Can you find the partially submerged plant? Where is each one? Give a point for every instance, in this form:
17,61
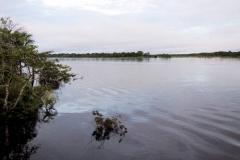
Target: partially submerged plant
48,112
107,127
49,99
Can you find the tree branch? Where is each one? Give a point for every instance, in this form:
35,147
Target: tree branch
21,92
7,94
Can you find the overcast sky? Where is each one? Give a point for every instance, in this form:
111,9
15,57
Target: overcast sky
155,26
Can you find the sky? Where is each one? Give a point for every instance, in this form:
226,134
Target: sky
155,26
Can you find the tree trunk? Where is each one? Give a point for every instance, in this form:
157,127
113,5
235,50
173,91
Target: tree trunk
5,106
33,74
21,92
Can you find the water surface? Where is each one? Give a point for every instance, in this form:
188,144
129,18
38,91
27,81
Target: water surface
178,108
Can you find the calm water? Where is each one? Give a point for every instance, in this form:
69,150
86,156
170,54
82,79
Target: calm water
179,108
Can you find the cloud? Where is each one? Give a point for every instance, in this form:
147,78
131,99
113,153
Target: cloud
172,26
101,6
126,36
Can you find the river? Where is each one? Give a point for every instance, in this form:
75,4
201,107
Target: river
175,108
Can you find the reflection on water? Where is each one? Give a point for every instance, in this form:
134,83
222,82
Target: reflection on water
47,114
22,152
178,108
21,131
107,59
105,128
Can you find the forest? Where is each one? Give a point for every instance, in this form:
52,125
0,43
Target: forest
141,54
101,55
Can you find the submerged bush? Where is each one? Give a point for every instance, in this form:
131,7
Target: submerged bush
105,128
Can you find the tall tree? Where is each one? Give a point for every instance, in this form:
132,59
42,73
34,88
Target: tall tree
20,66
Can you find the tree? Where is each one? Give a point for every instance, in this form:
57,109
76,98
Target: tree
139,53
20,66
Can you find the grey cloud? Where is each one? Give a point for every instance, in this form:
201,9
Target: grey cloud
172,26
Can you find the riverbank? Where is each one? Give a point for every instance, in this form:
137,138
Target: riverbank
140,54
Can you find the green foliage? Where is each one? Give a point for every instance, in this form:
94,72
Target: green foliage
20,99
48,99
20,67
53,74
47,111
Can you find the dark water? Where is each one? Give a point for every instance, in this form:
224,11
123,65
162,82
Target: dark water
179,108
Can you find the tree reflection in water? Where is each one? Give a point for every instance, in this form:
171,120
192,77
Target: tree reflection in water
21,129
105,128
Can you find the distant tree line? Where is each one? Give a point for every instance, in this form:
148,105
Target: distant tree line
205,54
101,55
141,54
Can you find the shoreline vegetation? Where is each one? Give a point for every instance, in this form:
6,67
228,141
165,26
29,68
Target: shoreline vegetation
141,54
27,83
